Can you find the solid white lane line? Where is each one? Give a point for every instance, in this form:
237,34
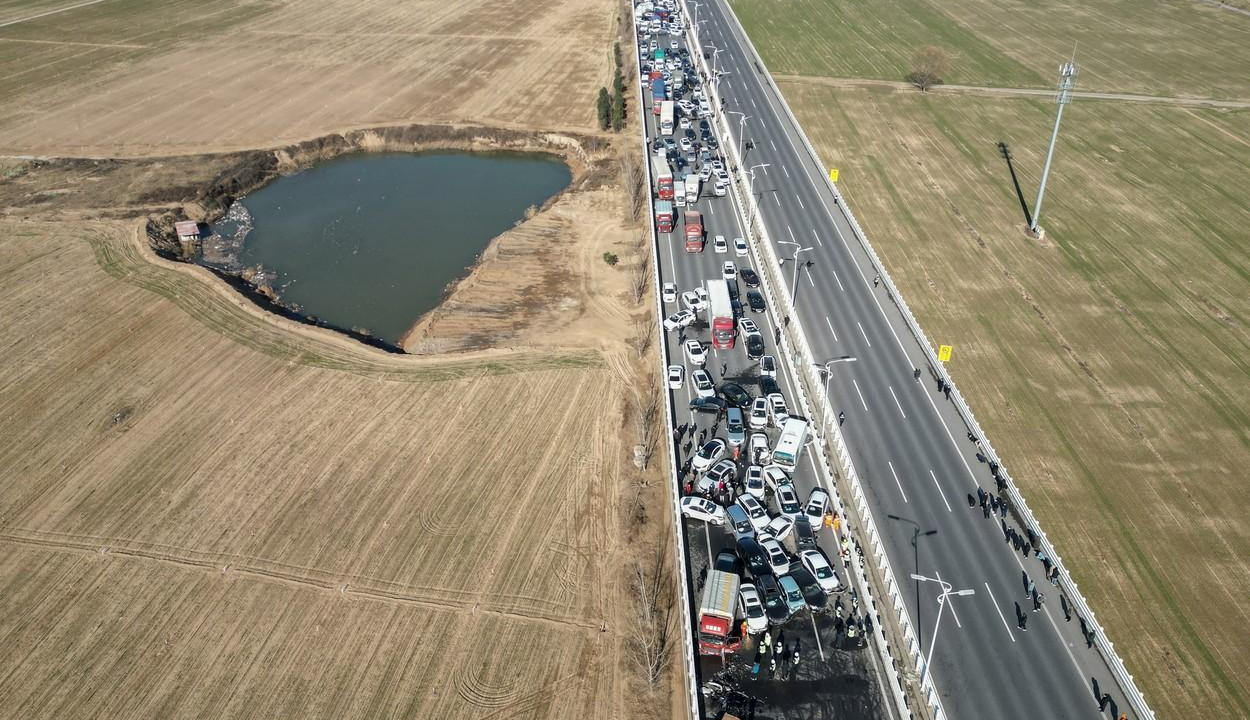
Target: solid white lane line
994,600
818,242
860,394
896,402
861,332
896,482
831,332
796,197
939,489
958,624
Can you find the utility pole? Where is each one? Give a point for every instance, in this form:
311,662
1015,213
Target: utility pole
1067,80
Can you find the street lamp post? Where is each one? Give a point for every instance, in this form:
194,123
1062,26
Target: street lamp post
742,130
946,592
794,282
828,376
715,52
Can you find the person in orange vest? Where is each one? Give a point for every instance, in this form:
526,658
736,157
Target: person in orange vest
837,523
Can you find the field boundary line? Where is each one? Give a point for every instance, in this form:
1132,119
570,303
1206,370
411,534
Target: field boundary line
1105,648
287,574
693,696
46,13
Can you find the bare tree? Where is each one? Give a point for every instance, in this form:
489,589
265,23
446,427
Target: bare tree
642,335
639,280
633,179
645,415
653,633
928,66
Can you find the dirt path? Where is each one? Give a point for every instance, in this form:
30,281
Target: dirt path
1027,92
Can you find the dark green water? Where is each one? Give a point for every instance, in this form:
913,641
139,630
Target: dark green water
370,241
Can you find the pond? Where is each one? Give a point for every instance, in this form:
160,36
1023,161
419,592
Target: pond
371,241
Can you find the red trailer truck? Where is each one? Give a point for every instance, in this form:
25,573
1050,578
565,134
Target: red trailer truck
663,178
664,215
720,314
717,634
694,231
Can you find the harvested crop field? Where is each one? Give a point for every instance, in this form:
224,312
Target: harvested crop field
138,77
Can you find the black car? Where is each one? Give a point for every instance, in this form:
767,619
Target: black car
749,277
709,405
737,309
755,300
736,394
704,126
753,555
768,386
813,593
755,346
774,602
804,536
713,143
727,561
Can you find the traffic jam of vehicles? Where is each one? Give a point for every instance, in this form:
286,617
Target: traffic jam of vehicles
764,543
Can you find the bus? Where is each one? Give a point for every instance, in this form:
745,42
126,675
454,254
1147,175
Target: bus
790,444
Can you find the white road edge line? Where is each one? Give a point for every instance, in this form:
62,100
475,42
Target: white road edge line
997,609
896,482
939,489
896,402
860,394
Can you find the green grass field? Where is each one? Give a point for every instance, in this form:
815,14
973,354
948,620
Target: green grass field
1161,47
1109,362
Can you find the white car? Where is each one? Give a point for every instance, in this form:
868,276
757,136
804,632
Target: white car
676,376
705,173
687,107
672,45
777,404
788,501
720,189
775,476
711,451
669,292
693,301
703,385
747,326
695,353
740,247
752,609
768,366
760,451
723,471
755,481
686,145
718,166
729,271
817,507
778,560
759,414
780,527
719,245
703,509
680,319
757,513
684,123
817,565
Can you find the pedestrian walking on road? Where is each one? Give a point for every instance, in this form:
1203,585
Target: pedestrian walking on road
1038,599
777,336
876,281
1006,530
917,374
841,418
786,321
1024,580
1054,576
947,390
724,368
1021,618
1067,612
794,658
1002,505
985,510
981,496
1032,537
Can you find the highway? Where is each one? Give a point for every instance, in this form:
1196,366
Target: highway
907,443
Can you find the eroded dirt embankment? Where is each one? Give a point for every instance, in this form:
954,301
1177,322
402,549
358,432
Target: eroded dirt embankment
520,276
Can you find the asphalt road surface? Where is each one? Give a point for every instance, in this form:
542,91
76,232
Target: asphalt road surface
836,677
913,455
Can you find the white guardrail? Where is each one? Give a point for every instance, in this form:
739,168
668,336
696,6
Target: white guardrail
687,622
1104,645
803,360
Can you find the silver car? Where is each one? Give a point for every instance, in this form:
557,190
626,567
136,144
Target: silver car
735,429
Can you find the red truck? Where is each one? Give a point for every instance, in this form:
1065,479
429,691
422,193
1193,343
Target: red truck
664,215
663,178
717,634
721,314
694,231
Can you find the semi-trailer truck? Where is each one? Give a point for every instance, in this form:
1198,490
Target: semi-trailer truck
692,189
716,614
663,177
721,314
666,117
694,231
664,215
658,95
